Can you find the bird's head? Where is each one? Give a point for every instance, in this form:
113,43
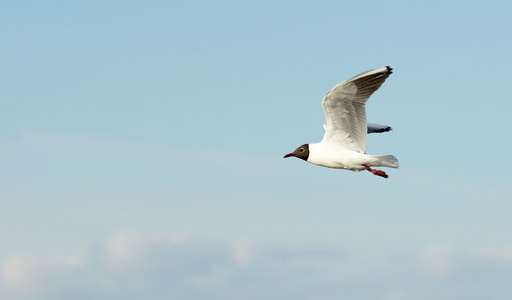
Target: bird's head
301,152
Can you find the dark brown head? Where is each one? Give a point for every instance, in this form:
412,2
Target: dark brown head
302,152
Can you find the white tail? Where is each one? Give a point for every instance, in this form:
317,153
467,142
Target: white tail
384,161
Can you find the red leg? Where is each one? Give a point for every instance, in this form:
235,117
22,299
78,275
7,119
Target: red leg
376,172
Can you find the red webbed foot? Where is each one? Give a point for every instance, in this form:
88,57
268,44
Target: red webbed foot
376,172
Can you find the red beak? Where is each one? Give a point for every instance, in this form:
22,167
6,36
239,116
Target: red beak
288,155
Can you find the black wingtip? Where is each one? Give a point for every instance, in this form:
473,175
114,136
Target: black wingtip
386,129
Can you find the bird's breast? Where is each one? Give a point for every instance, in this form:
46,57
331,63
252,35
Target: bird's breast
335,157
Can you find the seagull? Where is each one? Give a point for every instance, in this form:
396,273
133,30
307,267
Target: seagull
344,142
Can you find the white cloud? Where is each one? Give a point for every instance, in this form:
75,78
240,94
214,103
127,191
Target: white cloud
16,269
29,276
438,260
135,264
243,252
443,261
124,250
395,295
501,255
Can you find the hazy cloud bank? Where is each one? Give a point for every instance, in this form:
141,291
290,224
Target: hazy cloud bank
136,265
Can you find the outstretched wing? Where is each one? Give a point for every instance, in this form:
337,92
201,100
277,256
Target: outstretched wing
373,128
344,108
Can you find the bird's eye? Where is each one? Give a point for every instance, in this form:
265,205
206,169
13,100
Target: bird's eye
301,149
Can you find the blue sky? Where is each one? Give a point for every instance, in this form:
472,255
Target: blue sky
142,142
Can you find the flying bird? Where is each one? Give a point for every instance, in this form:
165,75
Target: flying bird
344,142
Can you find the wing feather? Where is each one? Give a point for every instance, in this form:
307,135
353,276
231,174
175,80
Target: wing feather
345,112
376,128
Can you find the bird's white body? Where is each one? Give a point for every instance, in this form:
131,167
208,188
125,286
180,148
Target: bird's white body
332,156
